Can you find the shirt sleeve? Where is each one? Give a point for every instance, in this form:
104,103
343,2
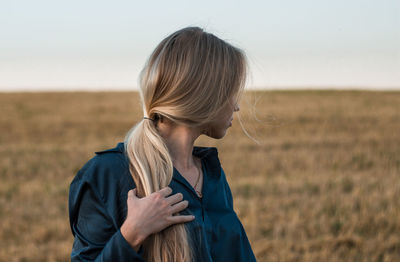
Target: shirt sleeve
239,242
228,192
96,237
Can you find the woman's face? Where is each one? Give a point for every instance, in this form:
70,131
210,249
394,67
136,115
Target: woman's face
217,128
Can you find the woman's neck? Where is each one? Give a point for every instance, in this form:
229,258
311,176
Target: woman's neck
180,141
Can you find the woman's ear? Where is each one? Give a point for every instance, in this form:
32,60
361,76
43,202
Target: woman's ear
158,117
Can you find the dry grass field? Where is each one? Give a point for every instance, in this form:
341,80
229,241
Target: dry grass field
323,184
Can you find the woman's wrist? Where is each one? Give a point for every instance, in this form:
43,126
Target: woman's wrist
132,236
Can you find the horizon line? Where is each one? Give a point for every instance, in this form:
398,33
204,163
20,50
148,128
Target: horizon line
67,89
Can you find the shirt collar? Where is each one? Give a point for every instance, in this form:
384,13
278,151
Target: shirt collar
209,155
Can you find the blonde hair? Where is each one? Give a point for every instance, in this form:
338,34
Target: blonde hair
189,76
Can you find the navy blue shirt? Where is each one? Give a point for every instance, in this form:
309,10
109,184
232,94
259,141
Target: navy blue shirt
98,208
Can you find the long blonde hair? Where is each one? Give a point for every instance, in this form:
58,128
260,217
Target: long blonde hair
189,76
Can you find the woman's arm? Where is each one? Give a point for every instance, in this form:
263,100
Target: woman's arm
96,237
152,214
98,234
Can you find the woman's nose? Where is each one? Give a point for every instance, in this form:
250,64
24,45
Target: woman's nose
237,108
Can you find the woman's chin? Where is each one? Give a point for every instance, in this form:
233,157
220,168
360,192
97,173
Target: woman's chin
218,135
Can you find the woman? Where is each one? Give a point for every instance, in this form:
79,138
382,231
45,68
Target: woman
157,197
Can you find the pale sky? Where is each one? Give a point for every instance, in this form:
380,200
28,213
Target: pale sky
86,44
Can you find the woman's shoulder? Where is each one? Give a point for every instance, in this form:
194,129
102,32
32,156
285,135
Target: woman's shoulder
101,187
109,159
108,169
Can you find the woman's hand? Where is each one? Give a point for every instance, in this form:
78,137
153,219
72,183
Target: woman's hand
151,214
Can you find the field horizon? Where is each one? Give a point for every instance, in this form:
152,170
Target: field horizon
91,89
321,184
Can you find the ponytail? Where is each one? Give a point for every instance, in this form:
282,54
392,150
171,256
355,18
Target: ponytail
151,168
